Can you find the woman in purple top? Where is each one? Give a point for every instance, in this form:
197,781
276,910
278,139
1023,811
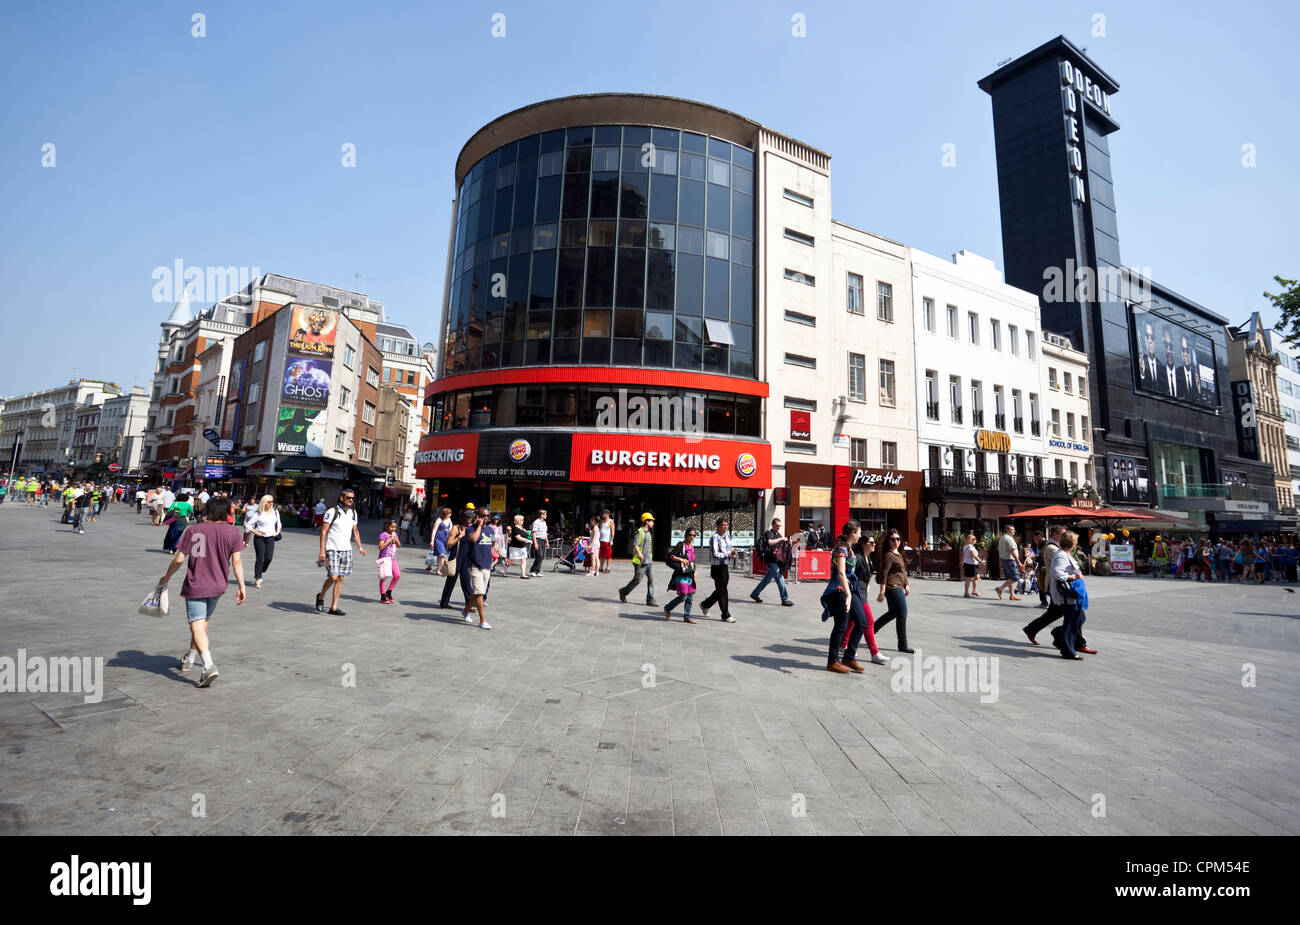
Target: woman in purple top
212,549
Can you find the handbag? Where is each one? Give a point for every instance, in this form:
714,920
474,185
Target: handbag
430,558
448,569
385,566
156,604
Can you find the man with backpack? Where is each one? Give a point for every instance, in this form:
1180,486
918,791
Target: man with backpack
339,530
775,551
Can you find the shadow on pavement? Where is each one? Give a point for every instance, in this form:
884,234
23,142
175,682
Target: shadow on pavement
164,665
796,650
657,615
435,618
292,607
999,646
783,665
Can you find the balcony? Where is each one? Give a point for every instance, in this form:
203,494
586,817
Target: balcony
954,485
956,414
977,417
1019,424
1000,421
932,410
1231,499
1036,427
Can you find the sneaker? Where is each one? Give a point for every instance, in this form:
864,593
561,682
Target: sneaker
728,619
335,612
485,625
470,618
652,603
756,599
622,596
209,675
320,605
879,659
186,663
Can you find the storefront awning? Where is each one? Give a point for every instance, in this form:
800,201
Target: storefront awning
297,465
254,462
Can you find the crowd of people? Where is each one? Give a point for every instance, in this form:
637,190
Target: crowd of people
1256,558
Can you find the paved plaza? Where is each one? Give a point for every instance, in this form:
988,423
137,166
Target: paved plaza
578,715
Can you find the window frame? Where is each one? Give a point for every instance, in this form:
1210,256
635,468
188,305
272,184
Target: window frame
849,290
860,394
889,376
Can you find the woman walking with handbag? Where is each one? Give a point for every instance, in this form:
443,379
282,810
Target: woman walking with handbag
893,585
447,561
681,559
263,525
1064,571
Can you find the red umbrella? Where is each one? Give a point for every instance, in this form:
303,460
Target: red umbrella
1054,511
1110,513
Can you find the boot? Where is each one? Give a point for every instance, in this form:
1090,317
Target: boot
852,664
902,636
837,668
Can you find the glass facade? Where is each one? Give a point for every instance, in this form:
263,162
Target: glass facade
605,245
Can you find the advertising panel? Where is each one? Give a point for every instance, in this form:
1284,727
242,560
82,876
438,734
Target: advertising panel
306,382
447,456
1172,361
311,332
531,455
1121,559
300,431
1128,480
671,461
814,564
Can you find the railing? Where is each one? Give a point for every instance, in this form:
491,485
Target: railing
932,410
956,414
977,417
1035,427
1194,491
995,483
1000,421
1019,425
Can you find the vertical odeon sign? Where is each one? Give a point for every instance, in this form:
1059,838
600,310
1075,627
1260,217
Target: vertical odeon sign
1076,85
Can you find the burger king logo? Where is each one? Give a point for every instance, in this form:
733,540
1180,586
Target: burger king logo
746,464
520,450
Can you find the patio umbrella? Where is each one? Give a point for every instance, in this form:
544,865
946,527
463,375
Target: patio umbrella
1111,513
1053,511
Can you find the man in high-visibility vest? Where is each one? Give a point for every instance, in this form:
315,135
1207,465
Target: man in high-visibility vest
1159,557
69,497
642,559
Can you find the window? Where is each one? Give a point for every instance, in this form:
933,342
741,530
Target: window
1029,344
799,198
995,329
1074,471
794,448
254,392
349,356
364,453
1056,423
931,395
368,413
1051,378
345,398
372,376
339,437
800,318
1060,469
888,455
855,295
1069,424
977,402
1033,414
250,434
175,385
887,393
386,345
794,359
1084,432
858,452
1069,384
884,301
259,352
1083,387
927,314
170,415
974,321
952,322
857,377
1017,412
410,377
1013,335
801,404
799,277
954,397
999,408
799,237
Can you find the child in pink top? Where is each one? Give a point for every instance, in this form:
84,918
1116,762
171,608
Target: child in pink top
389,573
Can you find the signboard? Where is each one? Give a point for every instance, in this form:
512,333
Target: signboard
1245,507
1173,362
226,446
1084,504
113,467
212,436
781,496
498,504
218,467
1128,482
1243,403
447,456
1058,444
300,431
523,455
169,474
1121,559
814,564
306,382
800,425
994,441
311,332
870,478
221,401
670,461
843,441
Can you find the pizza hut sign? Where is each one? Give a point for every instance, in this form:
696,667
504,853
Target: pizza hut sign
867,478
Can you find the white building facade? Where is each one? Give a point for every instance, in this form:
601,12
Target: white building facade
1064,386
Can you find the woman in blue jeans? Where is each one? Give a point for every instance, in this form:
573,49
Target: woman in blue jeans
1063,573
893,586
838,601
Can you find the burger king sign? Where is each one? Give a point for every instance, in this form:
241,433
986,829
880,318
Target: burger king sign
520,450
746,465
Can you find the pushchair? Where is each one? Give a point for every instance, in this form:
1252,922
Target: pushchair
570,560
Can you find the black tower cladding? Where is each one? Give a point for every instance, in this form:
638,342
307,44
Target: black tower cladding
1159,362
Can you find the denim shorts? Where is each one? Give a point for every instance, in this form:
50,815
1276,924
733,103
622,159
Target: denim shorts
200,608
1010,570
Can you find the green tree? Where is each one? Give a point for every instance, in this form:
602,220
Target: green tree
1288,303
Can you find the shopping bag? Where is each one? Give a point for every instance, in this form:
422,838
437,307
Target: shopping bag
430,559
385,566
155,605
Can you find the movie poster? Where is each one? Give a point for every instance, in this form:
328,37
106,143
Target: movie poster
300,432
1128,481
311,332
1172,361
306,382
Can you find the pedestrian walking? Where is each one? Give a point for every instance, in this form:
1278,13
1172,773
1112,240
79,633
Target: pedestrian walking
451,561
386,562
970,567
1009,554
642,559
339,530
774,551
721,552
517,548
540,543
318,516
593,546
178,515
408,520
681,559
837,602
81,504
894,586
1064,571
481,538
606,541
264,527
438,542
500,551
210,551
860,616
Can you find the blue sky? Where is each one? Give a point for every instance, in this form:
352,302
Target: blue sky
225,150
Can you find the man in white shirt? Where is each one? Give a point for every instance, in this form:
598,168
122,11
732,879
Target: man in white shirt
139,499
720,552
606,541
540,544
203,499
337,534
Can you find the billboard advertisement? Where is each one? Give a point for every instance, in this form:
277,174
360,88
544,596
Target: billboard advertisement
306,382
1172,361
300,431
311,332
1128,480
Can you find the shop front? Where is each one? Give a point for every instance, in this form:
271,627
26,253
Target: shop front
684,481
879,499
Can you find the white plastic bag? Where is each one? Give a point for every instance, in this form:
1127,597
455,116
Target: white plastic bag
155,605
